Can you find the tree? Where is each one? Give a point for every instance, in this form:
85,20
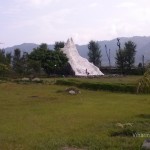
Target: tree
8,57
120,60
3,69
94,53
51,61
17,62
130,51
58,45
5,58
34,67
108,56
2,56
5,61
24,63
54,61
125,58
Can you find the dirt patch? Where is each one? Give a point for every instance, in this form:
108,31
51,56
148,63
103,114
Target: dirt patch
34,96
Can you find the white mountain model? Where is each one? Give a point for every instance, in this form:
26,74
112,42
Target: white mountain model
81,66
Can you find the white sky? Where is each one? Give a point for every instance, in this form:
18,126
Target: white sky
38,21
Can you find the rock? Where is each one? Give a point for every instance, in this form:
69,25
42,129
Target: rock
146,145
72,91
36,79
25,79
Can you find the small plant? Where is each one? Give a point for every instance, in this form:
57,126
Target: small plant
125,129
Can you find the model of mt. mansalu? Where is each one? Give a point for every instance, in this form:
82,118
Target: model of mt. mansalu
81,66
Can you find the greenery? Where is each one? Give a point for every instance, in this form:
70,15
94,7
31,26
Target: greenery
58,45
38,117
100,85
4,69
144,83
5,58
130,51
94,53
5,61
40,61
125,58
51,61
19,62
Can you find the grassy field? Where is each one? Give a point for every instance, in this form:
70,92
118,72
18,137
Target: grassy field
42,117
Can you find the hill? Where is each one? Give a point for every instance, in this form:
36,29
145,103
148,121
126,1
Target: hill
142,42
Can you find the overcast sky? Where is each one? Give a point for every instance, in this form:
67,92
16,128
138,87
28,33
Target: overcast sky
38,21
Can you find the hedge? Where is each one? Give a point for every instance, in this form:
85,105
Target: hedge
113,87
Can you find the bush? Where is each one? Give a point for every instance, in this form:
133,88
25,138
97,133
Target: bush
144,83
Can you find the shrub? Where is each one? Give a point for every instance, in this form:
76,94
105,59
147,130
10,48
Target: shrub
144,83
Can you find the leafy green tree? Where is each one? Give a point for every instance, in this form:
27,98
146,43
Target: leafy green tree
5,58
58,45
120,60
2,56
8,57
24,63
125,58
34,67
54,61
17,61
38,54
94,53
50,61
5,61
4,69
130,51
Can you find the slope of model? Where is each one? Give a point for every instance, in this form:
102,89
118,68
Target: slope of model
81,66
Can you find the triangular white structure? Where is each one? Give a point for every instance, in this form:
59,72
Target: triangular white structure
81,66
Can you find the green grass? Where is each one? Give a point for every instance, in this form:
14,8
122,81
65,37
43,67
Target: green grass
40,117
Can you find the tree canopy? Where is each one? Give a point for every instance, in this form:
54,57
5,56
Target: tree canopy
125,58
58,45
94,53
51,61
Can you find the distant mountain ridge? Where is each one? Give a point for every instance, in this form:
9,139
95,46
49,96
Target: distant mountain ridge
142,42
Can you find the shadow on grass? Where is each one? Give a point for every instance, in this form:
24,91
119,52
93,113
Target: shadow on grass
123,133
144,116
